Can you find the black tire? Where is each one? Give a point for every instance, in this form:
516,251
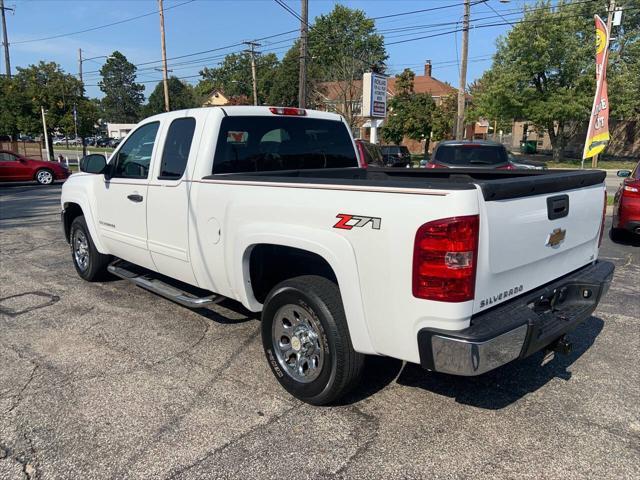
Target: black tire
616,234
96,263
319,299
44,176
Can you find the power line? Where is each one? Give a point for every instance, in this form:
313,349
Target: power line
289,9
98,27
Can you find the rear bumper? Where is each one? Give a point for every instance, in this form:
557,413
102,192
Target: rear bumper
517,328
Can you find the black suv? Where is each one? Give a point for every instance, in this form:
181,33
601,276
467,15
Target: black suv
396,155
470,154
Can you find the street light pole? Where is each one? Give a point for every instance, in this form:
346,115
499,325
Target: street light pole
46,135
463,71
165,79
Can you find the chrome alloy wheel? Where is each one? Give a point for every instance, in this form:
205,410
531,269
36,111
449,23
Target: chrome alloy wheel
297,344
80,249
44,177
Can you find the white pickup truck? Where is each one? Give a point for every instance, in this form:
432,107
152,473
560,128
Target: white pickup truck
458,270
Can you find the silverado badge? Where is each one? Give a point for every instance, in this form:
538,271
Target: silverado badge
556,237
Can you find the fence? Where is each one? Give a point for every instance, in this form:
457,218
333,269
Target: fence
26,149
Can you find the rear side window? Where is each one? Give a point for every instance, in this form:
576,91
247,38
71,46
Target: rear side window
176,148
259,144
470,154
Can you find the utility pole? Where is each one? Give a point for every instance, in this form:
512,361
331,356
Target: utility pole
46,135
463,70
611,10
302,80
80,67
252,52
165,79
5,41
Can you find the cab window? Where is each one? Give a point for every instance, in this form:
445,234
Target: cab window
176,148
134,157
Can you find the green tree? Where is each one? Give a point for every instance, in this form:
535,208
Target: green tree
410,113
46,85
181,96
122,95
444,117
543,71
342,46
234,78
13,104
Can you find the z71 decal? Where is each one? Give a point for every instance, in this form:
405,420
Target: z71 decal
347,222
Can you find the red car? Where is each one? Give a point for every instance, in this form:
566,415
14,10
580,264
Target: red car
16,168
626,203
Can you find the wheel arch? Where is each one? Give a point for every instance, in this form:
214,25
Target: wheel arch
72,208
329,255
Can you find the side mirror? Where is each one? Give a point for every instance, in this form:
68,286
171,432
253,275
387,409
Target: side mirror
94,163
624,173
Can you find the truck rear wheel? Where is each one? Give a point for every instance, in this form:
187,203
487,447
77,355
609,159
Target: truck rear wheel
306,340
90,264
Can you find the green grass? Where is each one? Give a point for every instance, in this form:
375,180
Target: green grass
609,200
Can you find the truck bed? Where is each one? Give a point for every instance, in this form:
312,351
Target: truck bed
495,184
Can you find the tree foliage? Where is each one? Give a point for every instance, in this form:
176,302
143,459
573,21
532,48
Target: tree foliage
122,95
342,46
444,117
181,96
410,113
543,71
234,78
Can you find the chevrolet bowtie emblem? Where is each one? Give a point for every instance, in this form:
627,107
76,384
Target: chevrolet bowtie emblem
556,237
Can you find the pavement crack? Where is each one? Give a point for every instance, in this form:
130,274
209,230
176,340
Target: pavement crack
226,445
188,349
18,396
370,422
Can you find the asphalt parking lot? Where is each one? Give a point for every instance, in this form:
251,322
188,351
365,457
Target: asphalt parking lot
109,381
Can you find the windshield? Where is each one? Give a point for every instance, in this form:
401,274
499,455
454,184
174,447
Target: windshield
258,144
470,154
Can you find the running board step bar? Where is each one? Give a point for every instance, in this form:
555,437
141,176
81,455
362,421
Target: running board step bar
149,281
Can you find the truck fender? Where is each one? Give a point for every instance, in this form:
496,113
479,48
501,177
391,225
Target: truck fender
334,249
82,201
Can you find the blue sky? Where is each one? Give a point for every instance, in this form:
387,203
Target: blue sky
209,24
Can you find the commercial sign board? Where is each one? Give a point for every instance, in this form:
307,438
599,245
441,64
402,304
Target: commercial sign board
374,95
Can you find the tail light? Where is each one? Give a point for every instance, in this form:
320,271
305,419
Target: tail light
632,189
361,158
296,112
435,165
604,213
508,166
444,259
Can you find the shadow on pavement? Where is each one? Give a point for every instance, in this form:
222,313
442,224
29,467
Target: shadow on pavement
492,391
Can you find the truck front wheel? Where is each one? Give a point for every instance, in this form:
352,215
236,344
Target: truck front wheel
89,262
306,340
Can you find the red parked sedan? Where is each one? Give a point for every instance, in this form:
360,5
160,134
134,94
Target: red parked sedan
626,203
16,168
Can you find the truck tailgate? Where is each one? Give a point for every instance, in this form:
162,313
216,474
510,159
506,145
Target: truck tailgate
528,241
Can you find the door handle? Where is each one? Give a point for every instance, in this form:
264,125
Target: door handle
135,197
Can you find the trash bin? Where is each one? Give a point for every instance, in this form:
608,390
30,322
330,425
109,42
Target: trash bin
528,146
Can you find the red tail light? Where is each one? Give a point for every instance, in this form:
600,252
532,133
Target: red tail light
508,166
632,189
361,158
444,259
604,213
297,112
436,165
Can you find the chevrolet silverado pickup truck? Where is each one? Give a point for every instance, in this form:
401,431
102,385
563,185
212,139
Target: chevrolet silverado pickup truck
459,270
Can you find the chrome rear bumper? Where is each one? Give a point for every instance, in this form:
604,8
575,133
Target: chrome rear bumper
517,328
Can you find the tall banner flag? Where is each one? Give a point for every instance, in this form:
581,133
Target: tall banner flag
598,132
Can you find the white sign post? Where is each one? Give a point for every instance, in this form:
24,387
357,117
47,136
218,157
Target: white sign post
374,101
